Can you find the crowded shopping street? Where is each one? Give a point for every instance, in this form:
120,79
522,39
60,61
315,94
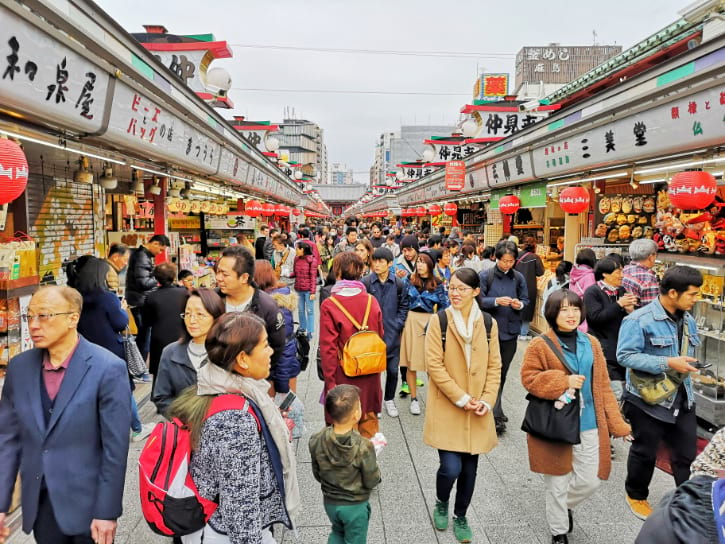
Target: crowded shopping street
362,272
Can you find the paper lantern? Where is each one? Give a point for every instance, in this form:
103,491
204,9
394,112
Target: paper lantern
693,190
420,212
267,209
435,209
405,212
296,212
574,200
13,171
509,204
451,208
253,208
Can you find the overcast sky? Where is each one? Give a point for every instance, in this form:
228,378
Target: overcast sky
493,31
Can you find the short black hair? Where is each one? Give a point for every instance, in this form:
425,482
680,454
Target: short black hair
434,240
383,253
616,257
305,247
161,239
506,247
117,249
468,276
303,233
165,273
586,257
607,265
340,402
488,251
680,278
243,260
556,299
350,230
185,273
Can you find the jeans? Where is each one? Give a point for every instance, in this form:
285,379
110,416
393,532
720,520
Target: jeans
680,437
143,338
454,466
391,374
46,529
306,311
525,328
508,350
349,522
136,425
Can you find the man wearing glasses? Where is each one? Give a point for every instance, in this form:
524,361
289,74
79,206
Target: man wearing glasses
65,412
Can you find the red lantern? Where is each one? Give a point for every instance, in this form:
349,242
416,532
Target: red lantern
451,208
574,200
267,209
420,212
253,208
405,213
13,171
509,204
693,190
435,209
296,212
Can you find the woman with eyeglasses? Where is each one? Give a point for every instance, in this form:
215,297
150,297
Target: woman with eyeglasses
464,367
181,360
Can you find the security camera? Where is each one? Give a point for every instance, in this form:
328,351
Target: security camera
530,105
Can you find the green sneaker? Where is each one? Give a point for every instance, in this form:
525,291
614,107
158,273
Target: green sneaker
462,530
404,390
440,515
419,382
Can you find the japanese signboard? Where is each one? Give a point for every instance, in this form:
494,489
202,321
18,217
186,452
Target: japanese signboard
231,221
455,175
504,123
232,167
694,120
509,170
532,195
494,85
41,76
457,152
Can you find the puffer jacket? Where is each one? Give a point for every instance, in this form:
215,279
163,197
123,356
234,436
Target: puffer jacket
288,366
305,273
140,279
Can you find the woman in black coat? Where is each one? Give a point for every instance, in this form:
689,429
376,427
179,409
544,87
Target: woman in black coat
531,267
607,304
162,312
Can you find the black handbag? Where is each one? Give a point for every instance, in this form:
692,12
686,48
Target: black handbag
542,420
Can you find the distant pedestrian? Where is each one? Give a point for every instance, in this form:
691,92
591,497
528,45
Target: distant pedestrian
261,241
305,276
639,279
118,256
348,243
344,462
186,279
531,267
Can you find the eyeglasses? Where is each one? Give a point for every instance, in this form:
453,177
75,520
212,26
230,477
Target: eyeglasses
461,290
29,318
198,317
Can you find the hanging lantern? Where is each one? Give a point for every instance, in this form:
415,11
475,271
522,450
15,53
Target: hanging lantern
451,208
253,208
420,212
435,209
267,209
296,212
574,200
205,207
509,204
694,190
13,171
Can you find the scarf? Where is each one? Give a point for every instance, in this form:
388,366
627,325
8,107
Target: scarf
213,380
466,329
608,289
348,288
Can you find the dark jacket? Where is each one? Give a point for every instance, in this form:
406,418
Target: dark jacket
265,307
102,321
392,296
259,247
345,465
162,312
604,317
305,270
683,516
511,284
140,279
288,366
175,374
530,266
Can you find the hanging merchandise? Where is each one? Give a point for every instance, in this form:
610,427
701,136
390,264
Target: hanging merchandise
450,208
13,171
693,190
574,200
509,204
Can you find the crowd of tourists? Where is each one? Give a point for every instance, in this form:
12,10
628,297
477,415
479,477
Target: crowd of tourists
395,304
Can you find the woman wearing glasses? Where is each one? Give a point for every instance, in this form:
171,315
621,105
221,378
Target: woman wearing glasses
464,367
181,360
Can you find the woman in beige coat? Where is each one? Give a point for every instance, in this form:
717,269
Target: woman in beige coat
464,377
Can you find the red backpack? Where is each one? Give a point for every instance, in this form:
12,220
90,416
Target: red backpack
170,501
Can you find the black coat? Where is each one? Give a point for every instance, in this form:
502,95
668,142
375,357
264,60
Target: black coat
259,247
140,279
530,266
102,321
162,313
175,374
604,317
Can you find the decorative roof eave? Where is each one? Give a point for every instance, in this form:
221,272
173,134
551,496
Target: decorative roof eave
219,50
468,108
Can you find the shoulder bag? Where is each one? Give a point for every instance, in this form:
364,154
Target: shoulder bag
135,363
544,421
657,388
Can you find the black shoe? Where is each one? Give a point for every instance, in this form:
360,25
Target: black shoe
559,539
571,521
505,419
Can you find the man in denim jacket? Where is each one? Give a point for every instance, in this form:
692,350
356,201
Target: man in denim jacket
652,340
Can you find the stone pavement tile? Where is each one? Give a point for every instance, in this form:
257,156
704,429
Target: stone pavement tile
604,533
520,533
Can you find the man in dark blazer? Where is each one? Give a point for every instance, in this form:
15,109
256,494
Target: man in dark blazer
65,412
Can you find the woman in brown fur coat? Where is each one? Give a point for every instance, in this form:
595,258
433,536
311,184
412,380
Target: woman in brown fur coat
571,473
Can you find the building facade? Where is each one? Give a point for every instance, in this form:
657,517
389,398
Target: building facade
303,142
340,174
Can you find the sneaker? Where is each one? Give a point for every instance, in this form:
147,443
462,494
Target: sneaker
419,382
440,515
639,508
612,453
559,539
391,408
524,337
415,407
462,530
144,433
404,390
146,378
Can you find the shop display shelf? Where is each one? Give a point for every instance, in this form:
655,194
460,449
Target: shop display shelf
709,409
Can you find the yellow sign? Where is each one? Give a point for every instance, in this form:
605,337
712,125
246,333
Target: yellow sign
185,223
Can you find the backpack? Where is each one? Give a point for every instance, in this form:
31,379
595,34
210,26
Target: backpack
443,318
170,501
364,352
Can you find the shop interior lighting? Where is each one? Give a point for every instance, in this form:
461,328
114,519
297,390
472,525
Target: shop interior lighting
680,165
159,173
652,181
58,146
699,266
594,178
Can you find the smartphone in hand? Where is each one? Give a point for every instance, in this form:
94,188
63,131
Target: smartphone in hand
287,402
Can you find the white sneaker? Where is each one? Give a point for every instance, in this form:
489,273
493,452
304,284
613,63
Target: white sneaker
391,408
524,338
143,434
415,407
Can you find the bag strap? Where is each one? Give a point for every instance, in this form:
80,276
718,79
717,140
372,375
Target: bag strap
222,403
488,323
354,321
443,318
557,352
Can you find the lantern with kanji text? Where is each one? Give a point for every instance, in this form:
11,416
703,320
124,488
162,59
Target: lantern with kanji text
13,171
509,204
253,208
296,212
574,200
267,209
451,208
435,209
693,190
420,212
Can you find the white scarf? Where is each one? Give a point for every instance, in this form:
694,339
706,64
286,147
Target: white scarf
213,380
466,330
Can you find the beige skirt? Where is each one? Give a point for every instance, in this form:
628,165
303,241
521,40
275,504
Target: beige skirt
412,342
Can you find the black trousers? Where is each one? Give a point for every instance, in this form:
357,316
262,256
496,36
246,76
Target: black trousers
680,437
46,530
456,467
143,338
508,350
391,374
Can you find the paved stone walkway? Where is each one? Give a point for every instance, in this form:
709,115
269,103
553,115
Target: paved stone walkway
508,504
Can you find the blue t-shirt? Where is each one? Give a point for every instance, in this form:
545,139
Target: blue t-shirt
582,363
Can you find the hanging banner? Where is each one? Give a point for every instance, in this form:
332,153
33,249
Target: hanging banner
531,196
455,175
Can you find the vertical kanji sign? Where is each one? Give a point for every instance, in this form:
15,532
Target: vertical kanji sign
455,175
